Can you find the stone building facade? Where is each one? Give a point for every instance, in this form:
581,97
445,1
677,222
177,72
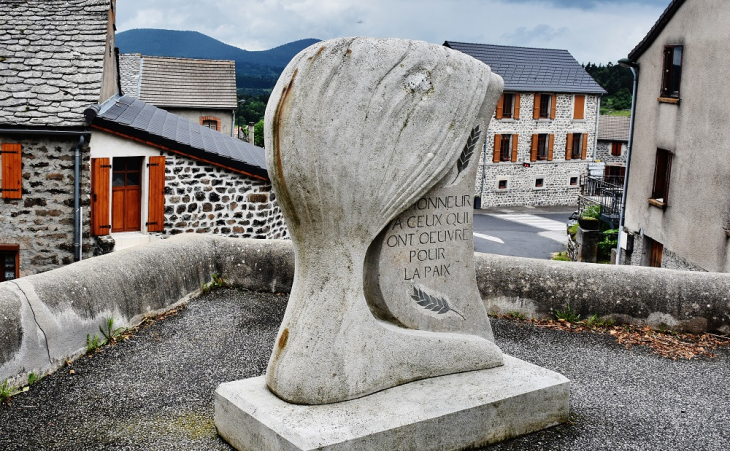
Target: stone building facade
528,181
543,134
612,146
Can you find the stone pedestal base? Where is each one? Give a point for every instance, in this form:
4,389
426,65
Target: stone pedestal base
443,413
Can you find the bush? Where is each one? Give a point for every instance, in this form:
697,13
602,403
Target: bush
609,241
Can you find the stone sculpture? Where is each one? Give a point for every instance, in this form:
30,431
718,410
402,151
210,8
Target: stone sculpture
360,132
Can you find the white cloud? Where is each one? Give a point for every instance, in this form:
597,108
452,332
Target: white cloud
596,31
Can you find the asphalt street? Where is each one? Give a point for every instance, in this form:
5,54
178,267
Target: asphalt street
155,391
532,232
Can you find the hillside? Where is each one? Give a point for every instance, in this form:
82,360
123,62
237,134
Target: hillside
255,70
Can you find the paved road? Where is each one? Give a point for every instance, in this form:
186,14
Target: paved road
155,391
534,232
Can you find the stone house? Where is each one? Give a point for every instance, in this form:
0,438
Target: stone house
543,133
202,91
677,204
155,174
613,139
56,58
57,61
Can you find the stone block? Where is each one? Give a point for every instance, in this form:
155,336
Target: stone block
458,411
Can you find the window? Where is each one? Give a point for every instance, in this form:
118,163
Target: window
505,148
542,147
502,184
211,122
573,181
544,107
662,170
614,174
9,262
579,107
616,148
11,174
672,71
539,182
126,194
576,146
508,106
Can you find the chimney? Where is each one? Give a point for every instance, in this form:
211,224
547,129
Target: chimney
250,132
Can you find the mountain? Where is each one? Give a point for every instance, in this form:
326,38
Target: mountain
256,70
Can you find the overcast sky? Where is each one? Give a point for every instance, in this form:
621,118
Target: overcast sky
596,31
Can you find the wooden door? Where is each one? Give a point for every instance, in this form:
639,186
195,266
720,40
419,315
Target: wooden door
126,194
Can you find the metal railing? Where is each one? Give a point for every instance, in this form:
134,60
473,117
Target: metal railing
606,192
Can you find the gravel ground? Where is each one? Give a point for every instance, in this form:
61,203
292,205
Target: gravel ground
155,391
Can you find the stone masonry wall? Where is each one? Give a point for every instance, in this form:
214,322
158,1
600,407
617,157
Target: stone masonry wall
670,260
41,223
556,174
203,198
603,153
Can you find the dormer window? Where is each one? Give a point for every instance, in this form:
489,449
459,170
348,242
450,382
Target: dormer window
508,106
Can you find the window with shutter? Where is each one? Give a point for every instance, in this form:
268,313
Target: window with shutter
616,148
156,204
127,194
100,174
579,107
12,174
505,150
662,171
515,139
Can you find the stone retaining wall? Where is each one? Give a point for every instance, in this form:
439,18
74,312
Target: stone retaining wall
44,319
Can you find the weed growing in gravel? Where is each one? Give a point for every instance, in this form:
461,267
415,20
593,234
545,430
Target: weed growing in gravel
514,314
7,391
92,344
217,282
595,321
33,379
567,315
561,257
111,335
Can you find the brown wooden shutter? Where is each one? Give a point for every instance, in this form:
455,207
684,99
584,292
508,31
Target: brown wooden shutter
579,107
12,170
500,108
156,204
497,148
551,145
536,107
568,146
533,151
584,150
553,105
100,171
514,148
516,115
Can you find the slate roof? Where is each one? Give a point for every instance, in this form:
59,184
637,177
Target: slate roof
526,69
614,128
140,120
180,82
656,29
51,60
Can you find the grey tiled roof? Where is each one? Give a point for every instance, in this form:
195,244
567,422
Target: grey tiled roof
51,60
527,69
180,82
135,118
613,128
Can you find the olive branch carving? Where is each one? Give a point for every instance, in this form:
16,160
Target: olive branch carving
468,151
433,303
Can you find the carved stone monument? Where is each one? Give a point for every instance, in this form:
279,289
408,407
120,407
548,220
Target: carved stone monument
372,147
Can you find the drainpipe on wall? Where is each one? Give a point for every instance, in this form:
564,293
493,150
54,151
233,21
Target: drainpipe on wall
233,125
625,62
77,197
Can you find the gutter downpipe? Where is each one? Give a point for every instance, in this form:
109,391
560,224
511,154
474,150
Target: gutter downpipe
77,171
77,196
625,62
